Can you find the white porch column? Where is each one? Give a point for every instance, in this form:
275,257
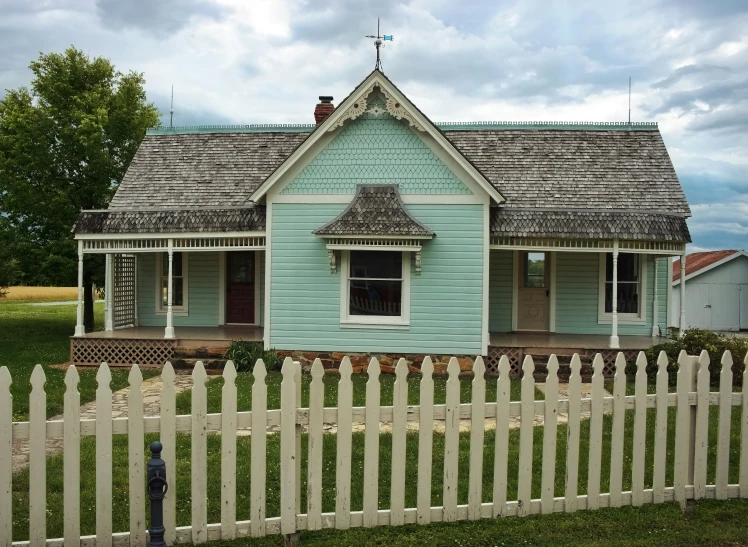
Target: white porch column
169,332
614,343
682,323
655,304
79,328
108,290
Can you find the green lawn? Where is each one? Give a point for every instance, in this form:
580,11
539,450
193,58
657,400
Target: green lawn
273,380
41,334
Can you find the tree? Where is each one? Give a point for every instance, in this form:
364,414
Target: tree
65,144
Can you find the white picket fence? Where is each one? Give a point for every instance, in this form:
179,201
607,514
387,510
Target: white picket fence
692,401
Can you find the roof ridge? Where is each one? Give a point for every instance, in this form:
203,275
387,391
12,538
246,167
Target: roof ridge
445,126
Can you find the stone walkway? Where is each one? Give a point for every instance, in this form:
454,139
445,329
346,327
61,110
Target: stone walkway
182,382
151,407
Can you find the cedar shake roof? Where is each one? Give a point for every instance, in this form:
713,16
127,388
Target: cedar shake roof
183,171
507,221
375,210
171,221
698,261
568,169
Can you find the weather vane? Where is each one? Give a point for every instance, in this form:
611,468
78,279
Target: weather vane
379,42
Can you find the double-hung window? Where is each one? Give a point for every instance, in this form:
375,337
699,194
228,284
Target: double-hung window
178,278
375,287
630,287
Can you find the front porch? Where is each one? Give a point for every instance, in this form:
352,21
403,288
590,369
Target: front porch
147,345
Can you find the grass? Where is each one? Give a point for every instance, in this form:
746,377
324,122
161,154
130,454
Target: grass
42,293
41,334
633,525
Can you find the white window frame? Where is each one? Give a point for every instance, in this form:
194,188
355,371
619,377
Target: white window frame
639,318
176,310
367,321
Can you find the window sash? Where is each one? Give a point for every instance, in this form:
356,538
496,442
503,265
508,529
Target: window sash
625,307
178,281
360,306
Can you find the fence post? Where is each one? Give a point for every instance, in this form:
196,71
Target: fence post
157,487
691,502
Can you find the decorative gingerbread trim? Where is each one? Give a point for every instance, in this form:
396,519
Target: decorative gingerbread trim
393,107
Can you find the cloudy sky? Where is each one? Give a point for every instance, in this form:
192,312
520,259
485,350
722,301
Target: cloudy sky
254,61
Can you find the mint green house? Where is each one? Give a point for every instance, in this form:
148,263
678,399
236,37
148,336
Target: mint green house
376,231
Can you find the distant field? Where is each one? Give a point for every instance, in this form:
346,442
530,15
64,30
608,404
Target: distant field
42,293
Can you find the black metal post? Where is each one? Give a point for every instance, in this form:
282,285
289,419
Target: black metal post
157,488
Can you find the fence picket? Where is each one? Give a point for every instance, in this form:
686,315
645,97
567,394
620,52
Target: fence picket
477,435
104,457
228,452
199,454
572,435
37,459
399,424
6,459
343,456
425,441
640,430
288,448
314,477
135,443
616,442
660,441
548,479
744,434
501,453
168,439
596,434
258,450
371,446
723,435
702,427
527,422
451,441
682,427
71,458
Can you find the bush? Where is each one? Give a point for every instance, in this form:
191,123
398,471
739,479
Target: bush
693,342
245,354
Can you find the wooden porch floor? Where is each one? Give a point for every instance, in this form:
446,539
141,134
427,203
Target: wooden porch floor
568,341
186,336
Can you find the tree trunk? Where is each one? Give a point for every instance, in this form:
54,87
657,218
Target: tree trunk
88,305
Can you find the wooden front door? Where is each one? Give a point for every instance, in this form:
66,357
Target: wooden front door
240,287
533,291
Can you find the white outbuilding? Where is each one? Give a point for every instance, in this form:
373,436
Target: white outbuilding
717,287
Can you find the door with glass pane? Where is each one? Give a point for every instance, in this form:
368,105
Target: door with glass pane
533,291
240,287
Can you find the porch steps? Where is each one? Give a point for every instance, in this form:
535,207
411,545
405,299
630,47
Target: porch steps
186,357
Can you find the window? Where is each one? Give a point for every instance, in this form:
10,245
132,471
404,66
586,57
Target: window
179,281
375,287
630,286
534,270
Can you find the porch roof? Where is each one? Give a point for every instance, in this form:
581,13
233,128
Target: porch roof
588,224
244,219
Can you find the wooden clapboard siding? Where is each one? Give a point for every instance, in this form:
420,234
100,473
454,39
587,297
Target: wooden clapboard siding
446,299
202,287
577,296
500,282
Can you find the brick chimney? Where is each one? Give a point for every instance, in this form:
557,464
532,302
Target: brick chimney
323,109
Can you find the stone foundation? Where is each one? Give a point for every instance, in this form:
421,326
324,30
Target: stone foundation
387,361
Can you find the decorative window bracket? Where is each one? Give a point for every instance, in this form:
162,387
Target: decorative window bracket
333,264
417,255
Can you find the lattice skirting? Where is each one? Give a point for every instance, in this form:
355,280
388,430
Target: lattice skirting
118,351
516,355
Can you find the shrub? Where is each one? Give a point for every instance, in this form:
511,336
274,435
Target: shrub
245,354
693,342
